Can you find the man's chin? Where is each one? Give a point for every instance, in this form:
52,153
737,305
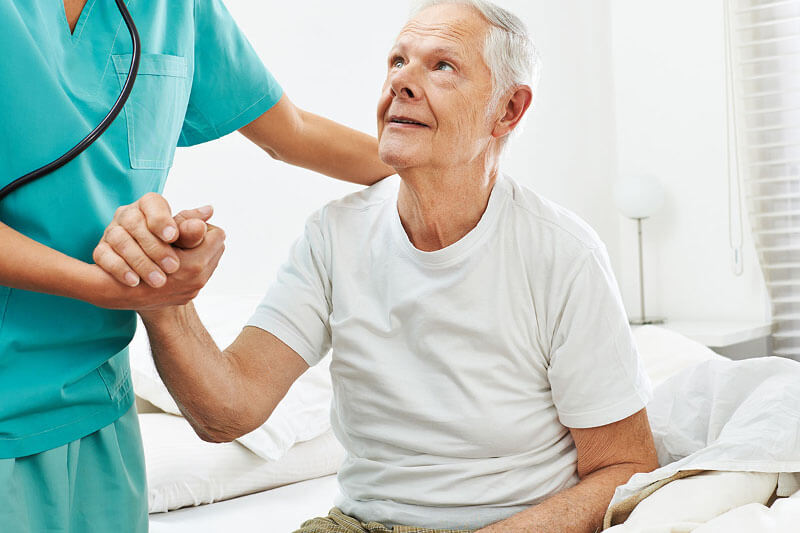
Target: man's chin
398,159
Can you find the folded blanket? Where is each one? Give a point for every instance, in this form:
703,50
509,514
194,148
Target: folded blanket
734,416
689,499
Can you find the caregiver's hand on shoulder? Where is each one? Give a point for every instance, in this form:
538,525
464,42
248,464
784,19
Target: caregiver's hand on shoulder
139,243
196,266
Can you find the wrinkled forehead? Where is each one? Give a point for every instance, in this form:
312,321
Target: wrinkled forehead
452,25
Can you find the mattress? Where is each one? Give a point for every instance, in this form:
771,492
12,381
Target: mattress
280,510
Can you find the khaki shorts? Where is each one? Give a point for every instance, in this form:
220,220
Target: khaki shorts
338,522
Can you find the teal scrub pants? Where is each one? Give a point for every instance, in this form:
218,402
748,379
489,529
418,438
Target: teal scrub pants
94,484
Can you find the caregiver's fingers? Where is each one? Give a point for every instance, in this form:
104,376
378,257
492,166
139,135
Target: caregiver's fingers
143,220
158,216
107,259
129,250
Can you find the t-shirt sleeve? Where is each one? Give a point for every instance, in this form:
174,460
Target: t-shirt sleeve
596,375
231,87
297,308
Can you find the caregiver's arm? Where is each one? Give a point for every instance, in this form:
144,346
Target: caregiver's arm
136,249
28,265
223,394
297,137
607,457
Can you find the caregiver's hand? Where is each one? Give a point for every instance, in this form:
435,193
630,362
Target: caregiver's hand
197,265
139,243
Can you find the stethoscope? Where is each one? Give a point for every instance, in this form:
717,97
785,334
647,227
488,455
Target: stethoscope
104,124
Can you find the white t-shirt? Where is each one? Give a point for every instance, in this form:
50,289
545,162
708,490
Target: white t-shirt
457,372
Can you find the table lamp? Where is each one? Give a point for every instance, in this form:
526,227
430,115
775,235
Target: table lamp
639,197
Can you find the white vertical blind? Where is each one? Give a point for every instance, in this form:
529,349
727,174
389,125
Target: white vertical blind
764,46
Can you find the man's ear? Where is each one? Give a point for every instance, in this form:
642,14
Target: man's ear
516,106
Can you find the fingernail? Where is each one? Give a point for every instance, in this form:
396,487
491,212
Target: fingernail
131,279
169,265
206,210
156,279
169,233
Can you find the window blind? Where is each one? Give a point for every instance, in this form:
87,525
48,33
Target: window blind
764,71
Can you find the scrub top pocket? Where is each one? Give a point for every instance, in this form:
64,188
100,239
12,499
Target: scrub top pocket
116,377
156,108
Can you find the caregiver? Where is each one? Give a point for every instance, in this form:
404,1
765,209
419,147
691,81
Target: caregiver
70,450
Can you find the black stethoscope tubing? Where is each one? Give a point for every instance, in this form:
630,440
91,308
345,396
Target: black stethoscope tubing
104,124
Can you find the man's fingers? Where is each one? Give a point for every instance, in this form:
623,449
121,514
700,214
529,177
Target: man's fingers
108,260
158,216
193,232
131,253
203,213
215,235
216,258
213,243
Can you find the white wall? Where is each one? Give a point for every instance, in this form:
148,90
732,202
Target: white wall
627,86
567,152
670,122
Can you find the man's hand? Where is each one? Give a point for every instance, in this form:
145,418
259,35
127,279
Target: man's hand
141,240
196,266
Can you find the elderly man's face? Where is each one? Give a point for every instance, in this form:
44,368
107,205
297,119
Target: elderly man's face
433,108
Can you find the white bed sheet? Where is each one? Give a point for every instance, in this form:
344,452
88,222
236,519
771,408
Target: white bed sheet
279,510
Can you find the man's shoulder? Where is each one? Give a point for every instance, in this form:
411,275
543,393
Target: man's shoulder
370,197
546,217
358,206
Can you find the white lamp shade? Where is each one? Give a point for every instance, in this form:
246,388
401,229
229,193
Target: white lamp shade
638,196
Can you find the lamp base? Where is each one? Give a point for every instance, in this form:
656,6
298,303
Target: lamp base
646,321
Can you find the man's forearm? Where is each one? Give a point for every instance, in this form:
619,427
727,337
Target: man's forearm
202,379
579,509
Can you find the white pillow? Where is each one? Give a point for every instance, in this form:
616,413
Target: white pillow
665,352
302,415
183,470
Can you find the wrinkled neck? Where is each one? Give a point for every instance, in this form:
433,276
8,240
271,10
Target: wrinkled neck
437,208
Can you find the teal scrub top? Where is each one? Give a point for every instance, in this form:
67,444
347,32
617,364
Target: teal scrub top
64,369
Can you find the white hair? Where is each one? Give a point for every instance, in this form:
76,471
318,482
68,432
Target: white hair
508,51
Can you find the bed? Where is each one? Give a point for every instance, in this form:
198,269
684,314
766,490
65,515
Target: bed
281,509
283,474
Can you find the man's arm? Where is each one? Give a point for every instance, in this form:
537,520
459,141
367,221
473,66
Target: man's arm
607,457
28,265
297,137
223,394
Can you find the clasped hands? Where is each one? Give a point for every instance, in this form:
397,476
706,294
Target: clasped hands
161,260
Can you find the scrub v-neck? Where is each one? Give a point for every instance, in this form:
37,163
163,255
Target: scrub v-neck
75,35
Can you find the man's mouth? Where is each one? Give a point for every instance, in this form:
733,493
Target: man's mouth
406,120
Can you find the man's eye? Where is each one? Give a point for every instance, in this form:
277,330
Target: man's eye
398,62
441,65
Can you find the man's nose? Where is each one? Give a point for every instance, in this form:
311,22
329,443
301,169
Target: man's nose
405,92
403,83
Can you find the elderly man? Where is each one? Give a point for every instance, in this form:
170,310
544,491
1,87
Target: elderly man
483,369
